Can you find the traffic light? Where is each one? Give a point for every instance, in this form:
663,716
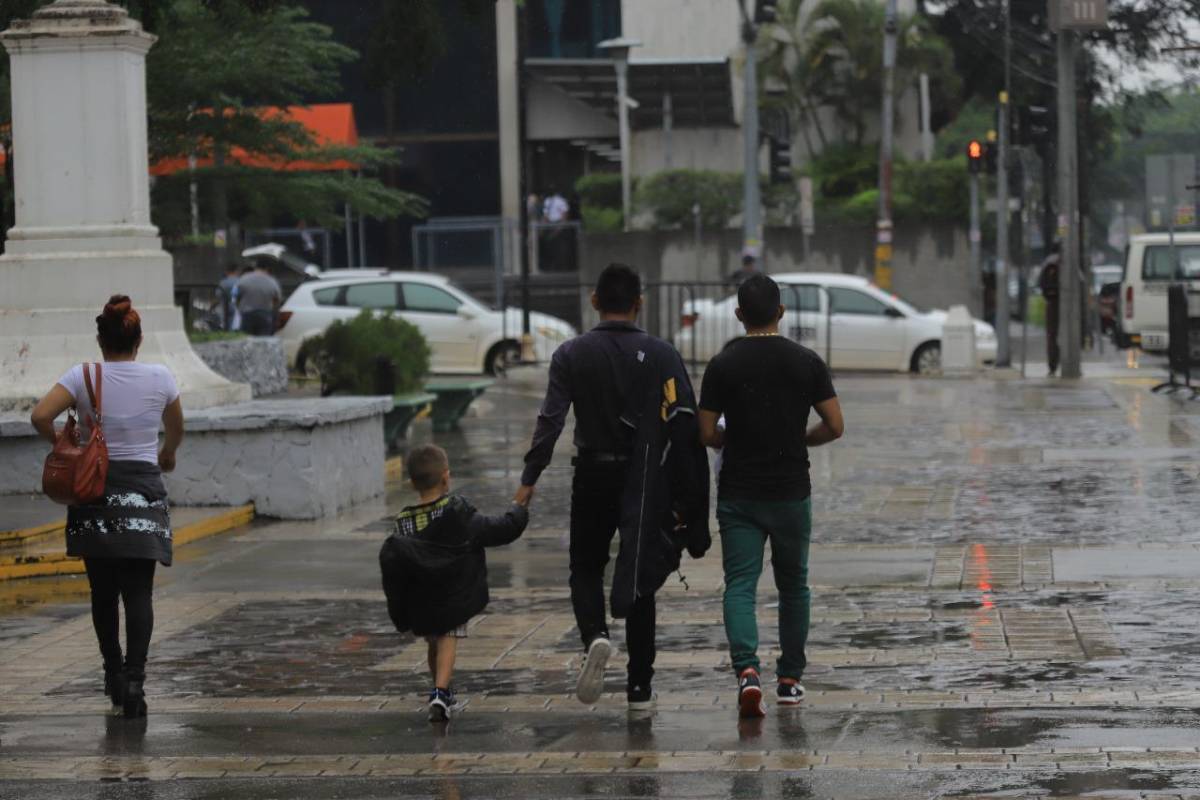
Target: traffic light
990,152
781,160
1036,126
974,156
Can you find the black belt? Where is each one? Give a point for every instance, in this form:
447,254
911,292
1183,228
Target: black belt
600,457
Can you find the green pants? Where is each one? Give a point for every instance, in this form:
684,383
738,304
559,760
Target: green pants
745,529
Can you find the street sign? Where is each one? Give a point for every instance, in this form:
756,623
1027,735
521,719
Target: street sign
808,221
1078,15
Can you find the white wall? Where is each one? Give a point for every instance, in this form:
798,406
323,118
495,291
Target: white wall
682,28
717,149
551,113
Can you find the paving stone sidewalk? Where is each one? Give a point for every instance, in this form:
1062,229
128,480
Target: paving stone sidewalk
1004,582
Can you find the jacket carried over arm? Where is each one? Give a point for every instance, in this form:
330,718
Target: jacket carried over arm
664,508
433,565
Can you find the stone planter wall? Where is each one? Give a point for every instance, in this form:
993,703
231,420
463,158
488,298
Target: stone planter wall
256,360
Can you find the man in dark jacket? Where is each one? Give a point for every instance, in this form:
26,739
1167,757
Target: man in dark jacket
638,469
1048,284
434,568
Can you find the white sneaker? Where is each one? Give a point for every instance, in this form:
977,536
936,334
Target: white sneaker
591,676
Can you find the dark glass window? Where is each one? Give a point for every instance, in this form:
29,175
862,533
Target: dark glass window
571,28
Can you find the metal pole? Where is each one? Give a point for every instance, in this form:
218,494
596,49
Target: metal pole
926,119
883,231
1068,201
1003,356
751,204
349,237
975,280
622,66
362,239
668,124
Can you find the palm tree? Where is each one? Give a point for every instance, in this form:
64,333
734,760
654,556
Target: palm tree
783,54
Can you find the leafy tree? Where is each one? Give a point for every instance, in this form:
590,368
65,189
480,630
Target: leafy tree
670,195
216,64
833,58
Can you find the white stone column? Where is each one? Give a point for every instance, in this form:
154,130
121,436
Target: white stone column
83,228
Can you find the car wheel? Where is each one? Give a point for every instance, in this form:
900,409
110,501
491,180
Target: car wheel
501,357
928,359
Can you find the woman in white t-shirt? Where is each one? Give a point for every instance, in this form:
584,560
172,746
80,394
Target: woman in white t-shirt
124,534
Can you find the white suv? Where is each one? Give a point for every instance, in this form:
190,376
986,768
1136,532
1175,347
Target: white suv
465,336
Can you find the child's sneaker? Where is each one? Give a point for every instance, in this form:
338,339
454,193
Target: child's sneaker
591,676
750,696
441,703
790,692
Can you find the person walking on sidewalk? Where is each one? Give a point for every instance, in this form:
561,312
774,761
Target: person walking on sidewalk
124,534
258,299
765,385
1048,282
639,468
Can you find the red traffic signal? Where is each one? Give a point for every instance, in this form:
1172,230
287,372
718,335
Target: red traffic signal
975,156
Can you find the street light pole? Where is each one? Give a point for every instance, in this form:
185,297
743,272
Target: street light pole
619,49
751,203
1068,206
1003,355
883,231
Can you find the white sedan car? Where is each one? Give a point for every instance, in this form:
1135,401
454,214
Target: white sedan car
465,336
867,329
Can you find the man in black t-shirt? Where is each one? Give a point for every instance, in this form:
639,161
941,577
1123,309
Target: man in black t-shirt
765,385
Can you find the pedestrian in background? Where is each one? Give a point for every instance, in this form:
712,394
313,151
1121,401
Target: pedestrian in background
1048,284
123,535
749,269
258,298
765,385
226,298
639,466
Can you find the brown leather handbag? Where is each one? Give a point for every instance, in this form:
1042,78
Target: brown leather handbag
74,475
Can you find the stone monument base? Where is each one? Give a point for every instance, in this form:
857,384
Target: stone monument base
293,459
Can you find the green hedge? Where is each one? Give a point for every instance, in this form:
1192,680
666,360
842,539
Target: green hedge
345,354
670,196
599,189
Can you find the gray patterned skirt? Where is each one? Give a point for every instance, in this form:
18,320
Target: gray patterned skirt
131,520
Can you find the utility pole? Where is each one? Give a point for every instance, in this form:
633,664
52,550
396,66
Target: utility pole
751,203
1068,208
976,277
1003,355
883,229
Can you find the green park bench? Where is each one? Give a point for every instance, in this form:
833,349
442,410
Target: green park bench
454,397
405,408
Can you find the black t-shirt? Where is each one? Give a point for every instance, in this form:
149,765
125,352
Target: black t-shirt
765,386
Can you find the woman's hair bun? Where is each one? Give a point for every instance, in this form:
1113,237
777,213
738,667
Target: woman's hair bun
119,325
118,306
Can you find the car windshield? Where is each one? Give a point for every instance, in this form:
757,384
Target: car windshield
907,306
467,297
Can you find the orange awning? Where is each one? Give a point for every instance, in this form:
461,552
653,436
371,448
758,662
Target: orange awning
328,123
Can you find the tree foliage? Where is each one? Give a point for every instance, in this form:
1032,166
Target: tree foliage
346,355
216,64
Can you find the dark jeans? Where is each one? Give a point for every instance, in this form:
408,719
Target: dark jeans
130,580
595,514
258,322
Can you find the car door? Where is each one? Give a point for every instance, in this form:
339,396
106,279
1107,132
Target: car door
452,338
866,332
803,317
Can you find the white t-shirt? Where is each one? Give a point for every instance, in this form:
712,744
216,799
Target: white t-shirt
134,397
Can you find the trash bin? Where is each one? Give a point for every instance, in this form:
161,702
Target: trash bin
958,342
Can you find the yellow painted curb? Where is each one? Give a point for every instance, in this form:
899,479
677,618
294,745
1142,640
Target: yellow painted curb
38,566
393,468
8,537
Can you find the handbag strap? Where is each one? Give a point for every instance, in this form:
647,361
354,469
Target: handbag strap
96,394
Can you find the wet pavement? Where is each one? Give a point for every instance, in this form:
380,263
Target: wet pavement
1005,584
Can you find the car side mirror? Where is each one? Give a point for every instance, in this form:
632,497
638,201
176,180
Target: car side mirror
893,312
466,312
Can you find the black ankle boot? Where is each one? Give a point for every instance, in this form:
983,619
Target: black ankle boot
114,686
135,699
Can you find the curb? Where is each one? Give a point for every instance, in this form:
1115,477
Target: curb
393,468
25,534
39,566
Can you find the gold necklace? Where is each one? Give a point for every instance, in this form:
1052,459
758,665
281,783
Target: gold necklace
760,335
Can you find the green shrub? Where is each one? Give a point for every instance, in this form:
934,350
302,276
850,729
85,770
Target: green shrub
599,190
345,354
599,219
670,196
